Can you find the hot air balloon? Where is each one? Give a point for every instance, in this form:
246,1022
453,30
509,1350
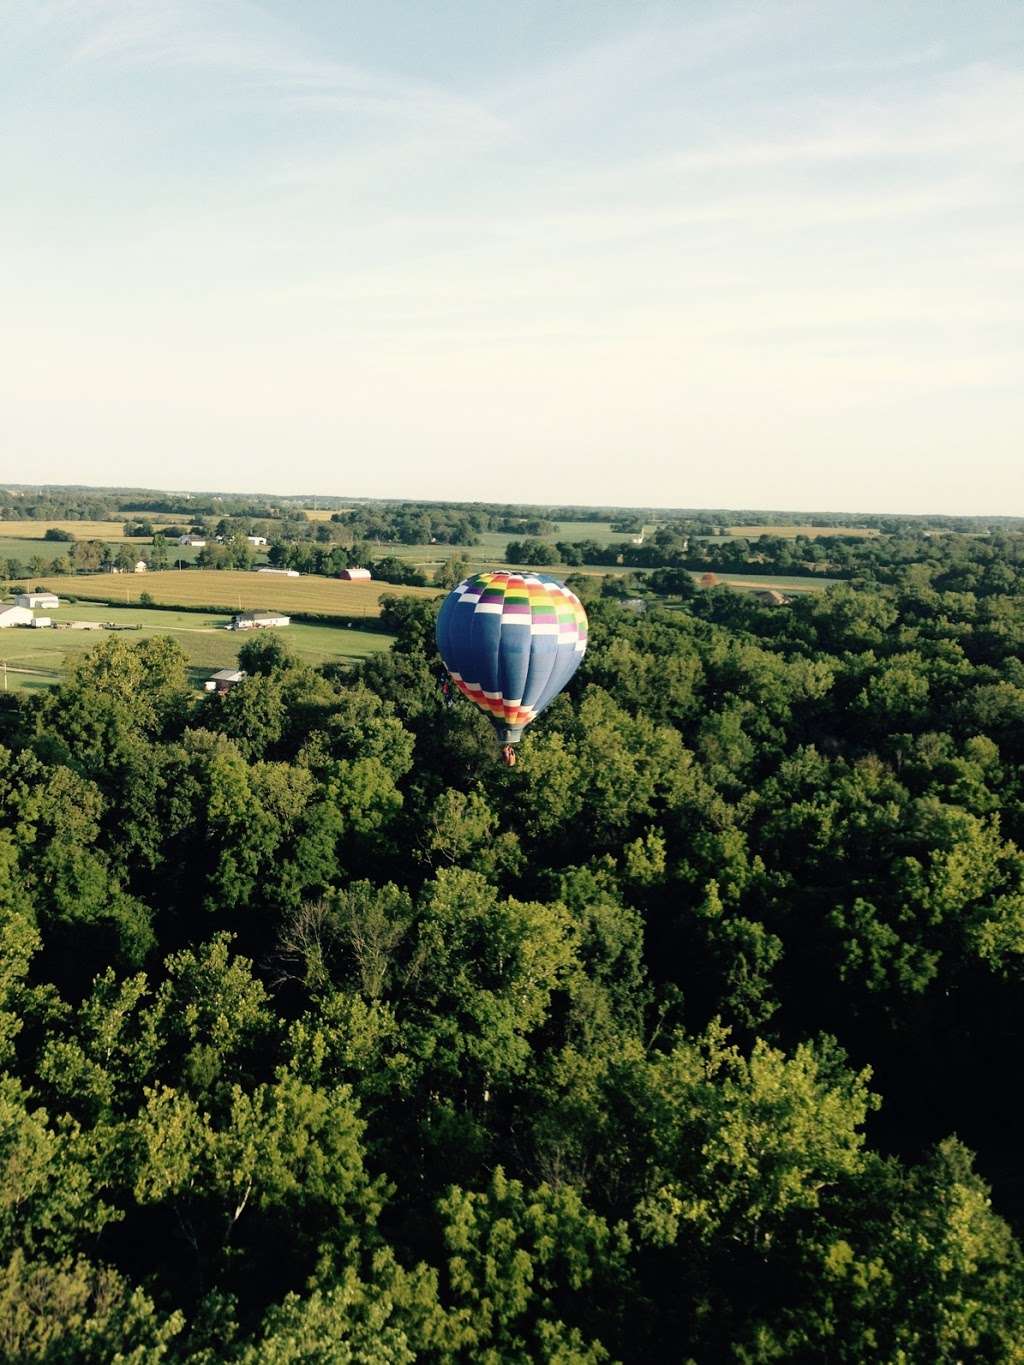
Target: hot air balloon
510,643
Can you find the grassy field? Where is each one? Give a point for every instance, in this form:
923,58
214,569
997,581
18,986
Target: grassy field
785,584
790,532
24,547
43,654
323,513
592,530
24,550
491,548
234,591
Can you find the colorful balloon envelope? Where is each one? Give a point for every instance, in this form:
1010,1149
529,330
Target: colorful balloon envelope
511,642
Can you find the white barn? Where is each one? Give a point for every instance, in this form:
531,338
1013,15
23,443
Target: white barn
38,599
14,616
259,620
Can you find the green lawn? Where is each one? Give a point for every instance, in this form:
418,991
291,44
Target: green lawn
43,653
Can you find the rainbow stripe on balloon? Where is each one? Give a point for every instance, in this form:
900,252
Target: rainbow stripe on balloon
511,642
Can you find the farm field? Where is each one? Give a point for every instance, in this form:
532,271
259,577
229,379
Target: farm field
234,590
783,582
491,547
24,550
44,654
490,550
592,530
791,532
81,530
25,546
322,513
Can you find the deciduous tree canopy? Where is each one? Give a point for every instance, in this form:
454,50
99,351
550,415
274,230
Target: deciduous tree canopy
692,1037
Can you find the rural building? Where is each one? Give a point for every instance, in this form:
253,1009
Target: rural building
141,566
37,599
257,620
40,622
192,540
356,575
636,605
224,680
771,597
282,573
14,616
256,540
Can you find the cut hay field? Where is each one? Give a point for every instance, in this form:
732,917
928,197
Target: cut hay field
37,658
234,591
791,532
81,530
322,513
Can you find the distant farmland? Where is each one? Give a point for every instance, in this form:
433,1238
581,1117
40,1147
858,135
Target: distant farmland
490,550
790,532
789,583
81,530
37,658
233,591
29,547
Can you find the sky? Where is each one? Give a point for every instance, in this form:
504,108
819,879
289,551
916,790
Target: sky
615,252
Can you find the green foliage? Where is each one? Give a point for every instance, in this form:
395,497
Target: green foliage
513,1257
71,1312
394,1319
324,1037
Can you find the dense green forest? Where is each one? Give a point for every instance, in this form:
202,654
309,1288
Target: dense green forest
690,1038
